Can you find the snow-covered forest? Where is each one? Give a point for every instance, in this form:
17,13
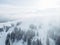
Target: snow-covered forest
31,31
29,22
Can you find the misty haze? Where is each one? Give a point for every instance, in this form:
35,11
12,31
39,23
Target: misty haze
29,22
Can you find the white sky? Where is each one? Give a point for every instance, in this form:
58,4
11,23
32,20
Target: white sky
28,8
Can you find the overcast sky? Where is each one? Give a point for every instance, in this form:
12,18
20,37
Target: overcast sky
31,3
28,8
